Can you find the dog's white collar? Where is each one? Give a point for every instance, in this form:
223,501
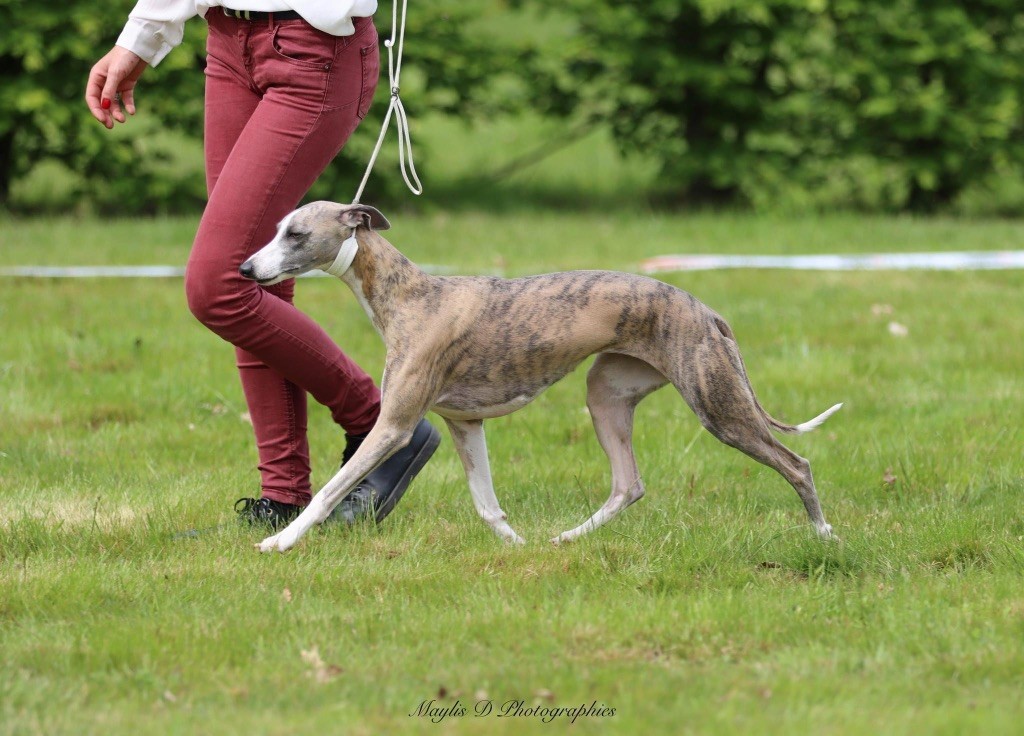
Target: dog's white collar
346,255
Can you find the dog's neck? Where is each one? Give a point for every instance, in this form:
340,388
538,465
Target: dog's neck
381,277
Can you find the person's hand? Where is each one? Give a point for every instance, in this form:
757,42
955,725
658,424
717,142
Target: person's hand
112,85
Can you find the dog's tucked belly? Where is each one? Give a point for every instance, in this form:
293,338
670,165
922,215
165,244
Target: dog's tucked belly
466,410
489,382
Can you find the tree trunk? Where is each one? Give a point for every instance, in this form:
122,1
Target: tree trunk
6,165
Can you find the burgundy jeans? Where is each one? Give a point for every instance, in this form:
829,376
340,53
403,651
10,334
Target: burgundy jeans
281,100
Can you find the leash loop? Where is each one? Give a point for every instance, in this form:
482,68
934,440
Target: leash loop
396,108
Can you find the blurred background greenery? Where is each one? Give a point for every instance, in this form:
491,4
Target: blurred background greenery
791,105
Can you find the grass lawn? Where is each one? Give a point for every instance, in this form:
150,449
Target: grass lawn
708,607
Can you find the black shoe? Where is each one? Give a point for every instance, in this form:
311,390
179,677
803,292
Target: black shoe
379,492
352,443
266,512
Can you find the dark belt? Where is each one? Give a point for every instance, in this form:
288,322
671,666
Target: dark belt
256,15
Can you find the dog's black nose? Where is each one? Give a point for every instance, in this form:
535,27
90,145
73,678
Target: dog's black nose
246,269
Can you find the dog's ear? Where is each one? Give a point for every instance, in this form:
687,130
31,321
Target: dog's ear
363,215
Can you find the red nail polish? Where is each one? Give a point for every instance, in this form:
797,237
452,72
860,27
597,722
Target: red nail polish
105,103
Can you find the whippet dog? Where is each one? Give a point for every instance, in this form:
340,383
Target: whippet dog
472,348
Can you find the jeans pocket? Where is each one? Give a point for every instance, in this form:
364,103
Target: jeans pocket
302,45
369,59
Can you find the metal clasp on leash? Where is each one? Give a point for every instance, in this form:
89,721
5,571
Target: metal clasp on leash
405,160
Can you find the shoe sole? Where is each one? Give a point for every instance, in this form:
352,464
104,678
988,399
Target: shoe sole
422,456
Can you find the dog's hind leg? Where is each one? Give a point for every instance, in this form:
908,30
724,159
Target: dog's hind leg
471,444
767,450
615,385
715,386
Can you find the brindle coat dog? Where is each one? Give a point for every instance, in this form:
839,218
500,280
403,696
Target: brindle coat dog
472,348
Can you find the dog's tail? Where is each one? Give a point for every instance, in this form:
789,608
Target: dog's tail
801,428
778,426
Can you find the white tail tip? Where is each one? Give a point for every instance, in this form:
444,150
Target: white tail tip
818,420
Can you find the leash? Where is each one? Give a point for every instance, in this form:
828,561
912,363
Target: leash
193,533
396,108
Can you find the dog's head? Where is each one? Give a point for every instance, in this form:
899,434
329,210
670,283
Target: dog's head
318,235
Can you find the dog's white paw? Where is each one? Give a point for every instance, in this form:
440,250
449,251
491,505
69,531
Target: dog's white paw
503,530
826,535
280,542
511,537
267,545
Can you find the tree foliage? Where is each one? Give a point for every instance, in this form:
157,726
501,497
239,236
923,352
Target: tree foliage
45,63
46,51
894,104
872,103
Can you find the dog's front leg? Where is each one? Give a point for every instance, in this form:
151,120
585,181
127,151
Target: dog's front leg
383,441
471,445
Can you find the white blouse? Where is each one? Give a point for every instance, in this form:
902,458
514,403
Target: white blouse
156,26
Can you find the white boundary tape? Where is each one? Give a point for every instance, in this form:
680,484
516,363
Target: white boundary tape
996,260
91,272
950,261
